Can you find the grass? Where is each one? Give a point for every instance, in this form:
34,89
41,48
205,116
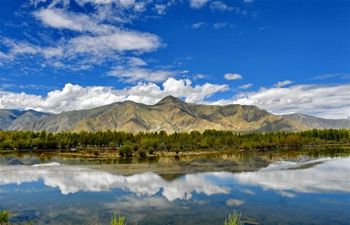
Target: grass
233,219
118,221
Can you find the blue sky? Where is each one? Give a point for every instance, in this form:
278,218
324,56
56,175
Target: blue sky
283,56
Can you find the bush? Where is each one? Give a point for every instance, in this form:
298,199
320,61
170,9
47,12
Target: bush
125,151
4,216
96,152
151,150
142,153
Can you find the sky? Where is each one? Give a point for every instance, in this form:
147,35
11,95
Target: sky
286,56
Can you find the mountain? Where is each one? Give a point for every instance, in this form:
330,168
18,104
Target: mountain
12,119
319,123
170,114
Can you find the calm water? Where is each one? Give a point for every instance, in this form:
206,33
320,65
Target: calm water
294,191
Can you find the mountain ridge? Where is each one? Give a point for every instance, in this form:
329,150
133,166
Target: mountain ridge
169,114
317,122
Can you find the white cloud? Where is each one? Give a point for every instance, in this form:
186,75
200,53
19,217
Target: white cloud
94,39
84,179
60,19
199,25
248,1
234,202
133,61
119,41
75,97
219,5
220,25
124,3
283,83
196,4
246,86
160,9
233,76
328,76
326,101
247,191
330,178
200,76
136,73
92,42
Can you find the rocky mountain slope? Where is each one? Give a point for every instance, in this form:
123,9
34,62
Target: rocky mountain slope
319,123
16,119
170,114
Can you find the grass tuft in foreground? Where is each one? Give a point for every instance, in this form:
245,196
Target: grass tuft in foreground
233,219
118,221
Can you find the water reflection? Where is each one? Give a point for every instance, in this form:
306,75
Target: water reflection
67,194
71,179
320,176
287,178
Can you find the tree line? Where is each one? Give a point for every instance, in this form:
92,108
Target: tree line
162,141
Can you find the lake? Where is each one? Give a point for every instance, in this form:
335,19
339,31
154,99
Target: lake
298,189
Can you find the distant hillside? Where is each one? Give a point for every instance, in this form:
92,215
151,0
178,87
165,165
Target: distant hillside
319,123
11,119
170,114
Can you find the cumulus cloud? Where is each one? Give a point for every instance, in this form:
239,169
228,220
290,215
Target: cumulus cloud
326,101
233,76
75,97
196,4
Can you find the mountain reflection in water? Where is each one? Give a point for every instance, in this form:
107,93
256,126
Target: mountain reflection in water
286,178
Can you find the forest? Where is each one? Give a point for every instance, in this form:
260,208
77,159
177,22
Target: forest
148,142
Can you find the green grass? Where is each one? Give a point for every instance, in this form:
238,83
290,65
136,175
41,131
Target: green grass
118,221
233,219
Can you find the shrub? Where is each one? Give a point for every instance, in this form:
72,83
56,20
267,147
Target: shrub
125,151
151,150
142,153
96,152
4,216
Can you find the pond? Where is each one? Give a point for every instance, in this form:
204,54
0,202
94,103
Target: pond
297,190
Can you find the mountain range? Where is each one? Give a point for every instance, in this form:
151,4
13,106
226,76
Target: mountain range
170,114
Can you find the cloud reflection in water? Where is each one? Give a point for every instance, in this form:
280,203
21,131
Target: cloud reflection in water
331,175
